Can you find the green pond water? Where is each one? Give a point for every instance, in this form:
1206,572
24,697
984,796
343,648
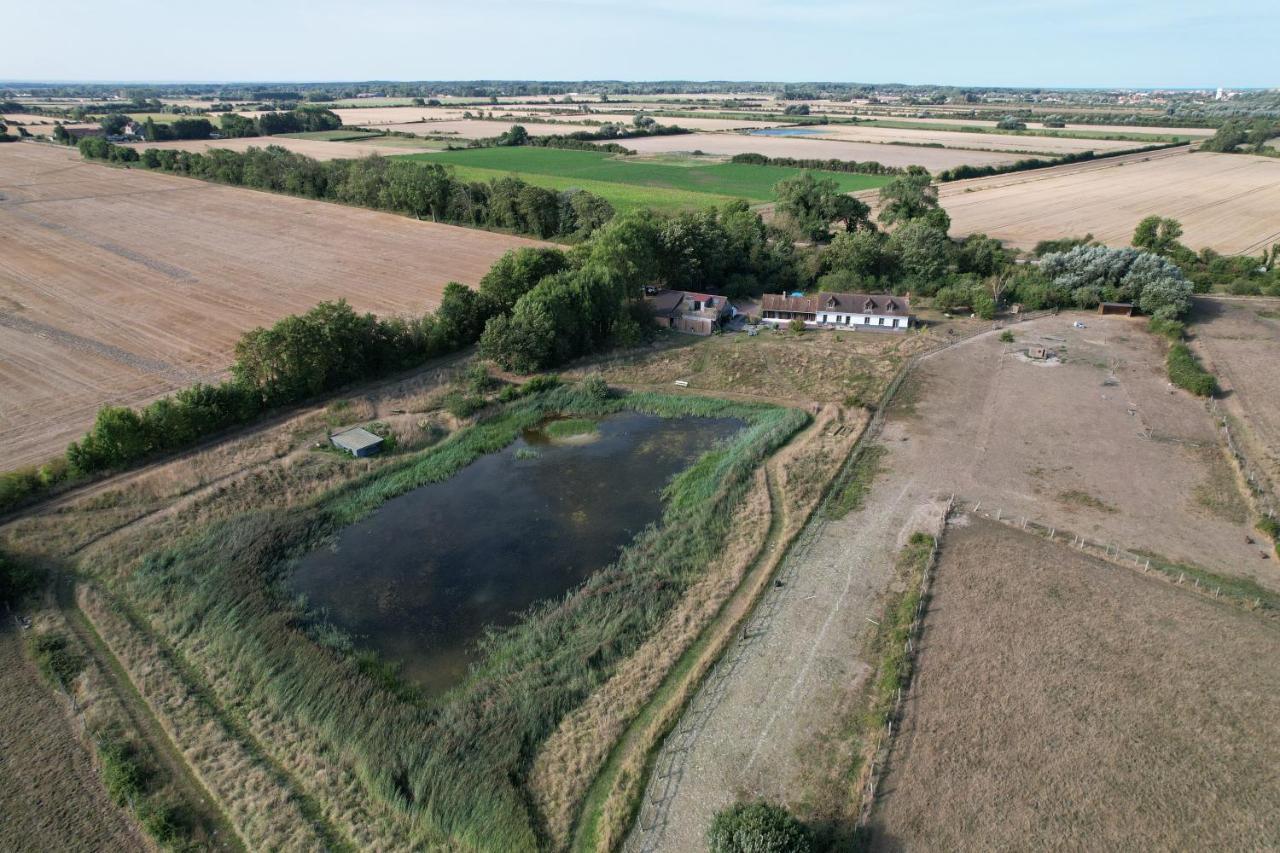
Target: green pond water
420,578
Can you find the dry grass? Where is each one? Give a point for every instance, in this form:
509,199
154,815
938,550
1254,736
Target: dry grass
1225,202
120,285
850,368
262,806
50,794
794,500
1062,702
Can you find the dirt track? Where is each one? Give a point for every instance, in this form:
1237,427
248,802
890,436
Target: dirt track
981,421
117,286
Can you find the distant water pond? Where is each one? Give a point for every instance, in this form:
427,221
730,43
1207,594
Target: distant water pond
420,578
785,131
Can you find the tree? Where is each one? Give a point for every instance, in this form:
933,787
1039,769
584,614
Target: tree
1088,275
1011,123
812,204
515,135
517,272
60,134
923,252
912,197
758,828
1157,235
865,254
981,255
114,123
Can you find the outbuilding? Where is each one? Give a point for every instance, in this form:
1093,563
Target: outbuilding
1120,309
357,441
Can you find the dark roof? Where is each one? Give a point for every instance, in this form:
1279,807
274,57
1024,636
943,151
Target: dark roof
666,303
850,303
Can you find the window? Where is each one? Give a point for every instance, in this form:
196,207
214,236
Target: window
824,318
879,321
866,320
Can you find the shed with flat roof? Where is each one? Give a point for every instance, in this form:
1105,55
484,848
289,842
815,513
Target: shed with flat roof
357,441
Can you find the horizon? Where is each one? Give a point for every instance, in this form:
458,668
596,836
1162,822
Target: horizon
1145,44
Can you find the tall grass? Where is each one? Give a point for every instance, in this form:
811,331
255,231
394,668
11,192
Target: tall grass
452,766
1186,371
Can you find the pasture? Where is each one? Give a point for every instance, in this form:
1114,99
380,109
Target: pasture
117,286
632,181
1061,697
1226,202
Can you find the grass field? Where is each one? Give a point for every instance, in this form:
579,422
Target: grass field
343,135
1064,702
632,182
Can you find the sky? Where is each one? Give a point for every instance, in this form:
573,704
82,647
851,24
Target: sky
1064,43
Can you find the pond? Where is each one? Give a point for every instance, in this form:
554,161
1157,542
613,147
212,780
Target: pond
419,579
785,131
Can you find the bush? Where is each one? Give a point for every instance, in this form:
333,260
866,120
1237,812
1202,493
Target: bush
1006,337
1186,372
758,828
1171,329
122,771
796,325
462,405
17,579
595,388
58,663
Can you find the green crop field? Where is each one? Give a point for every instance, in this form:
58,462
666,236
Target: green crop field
346,135
629,182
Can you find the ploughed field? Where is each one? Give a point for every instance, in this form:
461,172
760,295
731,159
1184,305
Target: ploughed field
1062,698
1226,202
117,286
629,182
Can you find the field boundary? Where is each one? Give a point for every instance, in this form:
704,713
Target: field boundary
882,747
1235,591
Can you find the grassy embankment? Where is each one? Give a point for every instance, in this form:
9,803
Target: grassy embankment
628,183
448,770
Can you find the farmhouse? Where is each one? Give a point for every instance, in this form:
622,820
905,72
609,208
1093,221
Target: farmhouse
838,310
685,311
357,441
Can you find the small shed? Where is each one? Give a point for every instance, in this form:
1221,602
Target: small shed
1037,352
1121,309
357,441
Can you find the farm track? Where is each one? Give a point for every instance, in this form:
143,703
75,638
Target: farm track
144,722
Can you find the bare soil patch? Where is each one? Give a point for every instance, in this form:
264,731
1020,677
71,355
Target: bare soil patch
117,286
1226,202
1101,445
1061,702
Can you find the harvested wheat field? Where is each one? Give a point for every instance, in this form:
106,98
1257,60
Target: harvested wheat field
319,149
1099,129
50,794
117,286
933,159
1226,202
480,128
1046,145
1064,703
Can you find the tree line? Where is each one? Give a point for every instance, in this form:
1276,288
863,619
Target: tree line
870,167
417,188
